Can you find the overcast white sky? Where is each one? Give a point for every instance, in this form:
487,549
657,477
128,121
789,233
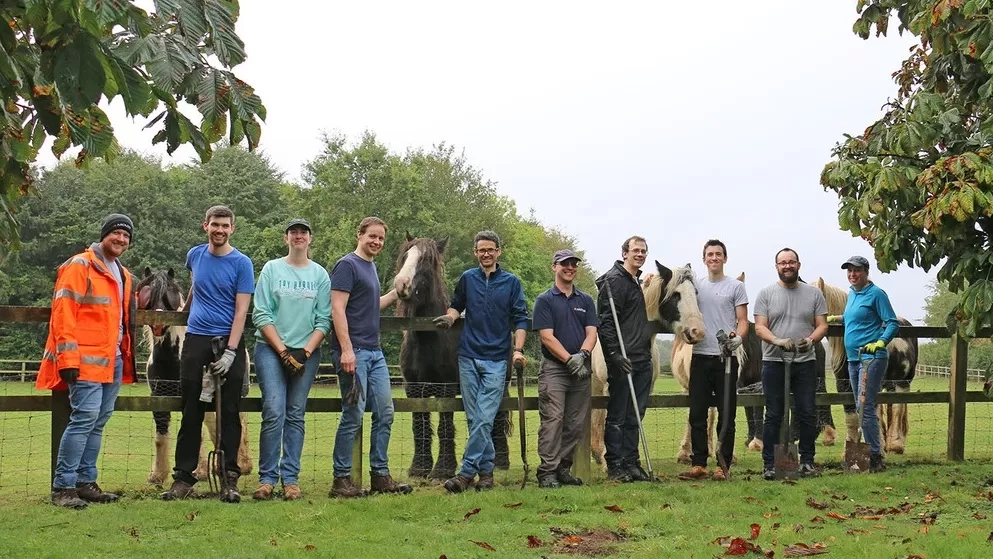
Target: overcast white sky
679,122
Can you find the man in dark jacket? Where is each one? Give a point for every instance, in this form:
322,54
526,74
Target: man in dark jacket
620,435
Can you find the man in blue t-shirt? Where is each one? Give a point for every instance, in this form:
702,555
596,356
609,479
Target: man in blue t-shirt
355,306
566,320
493,301
222,281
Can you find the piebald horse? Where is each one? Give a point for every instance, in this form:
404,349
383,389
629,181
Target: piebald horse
671,303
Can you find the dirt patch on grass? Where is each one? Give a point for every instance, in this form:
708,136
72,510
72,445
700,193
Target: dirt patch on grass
590,543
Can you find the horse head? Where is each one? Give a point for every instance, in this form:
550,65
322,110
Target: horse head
670,299
420,277
158,291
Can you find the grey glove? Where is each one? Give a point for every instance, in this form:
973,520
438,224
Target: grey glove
207,387
577,365
444,322
803,345
785,343
223,365
730,346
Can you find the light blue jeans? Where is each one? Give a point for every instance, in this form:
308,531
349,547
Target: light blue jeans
873,384
284,401
374,376
482,384
92,405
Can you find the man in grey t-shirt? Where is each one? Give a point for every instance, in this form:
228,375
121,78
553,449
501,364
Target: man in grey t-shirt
790,317
724,305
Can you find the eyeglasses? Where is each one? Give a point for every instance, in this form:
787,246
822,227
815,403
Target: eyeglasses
787,263
639,250
486,250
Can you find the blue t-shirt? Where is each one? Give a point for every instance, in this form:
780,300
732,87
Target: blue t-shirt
493,305
216,282
359,279
567,317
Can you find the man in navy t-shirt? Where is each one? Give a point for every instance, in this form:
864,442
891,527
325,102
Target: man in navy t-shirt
566,320
223,281
355,306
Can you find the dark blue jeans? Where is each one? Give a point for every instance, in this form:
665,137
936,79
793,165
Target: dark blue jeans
803,385
620,434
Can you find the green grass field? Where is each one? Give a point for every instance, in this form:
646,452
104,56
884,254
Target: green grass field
667,519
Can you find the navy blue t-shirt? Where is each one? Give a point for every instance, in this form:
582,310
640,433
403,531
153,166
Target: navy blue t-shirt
216,282
568,318
360,280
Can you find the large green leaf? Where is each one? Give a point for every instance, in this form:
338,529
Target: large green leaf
213,94
107,11
191,20
228,47
79,73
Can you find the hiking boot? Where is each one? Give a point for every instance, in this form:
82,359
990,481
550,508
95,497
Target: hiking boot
291,492
566,478
229,488
548,482
808,470
386,484
695,473
67,498
179,490
458,484
638,473
92,493
719,475
485,482
876,464
616,473
769,474
263,492
343,488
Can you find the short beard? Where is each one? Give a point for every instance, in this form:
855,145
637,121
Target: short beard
794,281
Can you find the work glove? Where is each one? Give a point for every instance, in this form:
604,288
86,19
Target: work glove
785,343
69,376
835,319
354,393
803,345
577,365
730,346
623,363
208,385
223,365
444,321
293,360
874,347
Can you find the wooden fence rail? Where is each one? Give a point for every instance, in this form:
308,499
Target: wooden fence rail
57,403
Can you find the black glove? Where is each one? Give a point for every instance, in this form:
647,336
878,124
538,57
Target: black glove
69,376
293,360
444,321
355,392
622,363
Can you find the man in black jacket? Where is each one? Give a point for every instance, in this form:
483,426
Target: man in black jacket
620,435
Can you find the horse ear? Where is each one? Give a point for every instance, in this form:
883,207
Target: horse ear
441,244
409,236
664,273
148,272
171,273
741,277
820,283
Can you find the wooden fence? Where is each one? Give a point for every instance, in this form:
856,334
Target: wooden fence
58,402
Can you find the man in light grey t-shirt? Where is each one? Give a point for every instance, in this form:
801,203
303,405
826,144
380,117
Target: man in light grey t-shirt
790,317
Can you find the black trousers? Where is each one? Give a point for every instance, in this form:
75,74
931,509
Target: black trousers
197,353
707,390
620,433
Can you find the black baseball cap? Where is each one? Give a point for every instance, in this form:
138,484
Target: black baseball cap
563,255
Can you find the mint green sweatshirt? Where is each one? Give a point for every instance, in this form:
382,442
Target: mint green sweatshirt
297,301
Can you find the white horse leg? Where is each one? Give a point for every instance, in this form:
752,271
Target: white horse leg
830,435
851,426
711,428
244,455
201,473
899,425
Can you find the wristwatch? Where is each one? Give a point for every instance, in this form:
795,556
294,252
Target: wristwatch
586,353
519,350
234,349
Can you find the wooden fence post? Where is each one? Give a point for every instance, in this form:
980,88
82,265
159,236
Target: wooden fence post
357,467
581,459
60,420
957,398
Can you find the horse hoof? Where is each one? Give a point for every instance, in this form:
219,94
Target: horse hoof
755,445
683,459
895,449
502,462
156,479
830,434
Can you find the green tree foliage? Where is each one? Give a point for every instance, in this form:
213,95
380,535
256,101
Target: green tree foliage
59,59
941,303
917,184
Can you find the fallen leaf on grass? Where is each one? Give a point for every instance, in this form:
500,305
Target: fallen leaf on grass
798,528
817,519
770,514
191,516
739,546
978,516
838,517
880,527
914,557
775,525
614,508
512,505
925,529
755,531
309,547
871,517
929,518
990,539
572,540
857,531
750,499
814,504
484,545
272,542
666,506
804,550
840,497
470,513
534,542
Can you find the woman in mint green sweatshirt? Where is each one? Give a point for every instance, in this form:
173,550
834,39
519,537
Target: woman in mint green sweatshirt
292,315
870,324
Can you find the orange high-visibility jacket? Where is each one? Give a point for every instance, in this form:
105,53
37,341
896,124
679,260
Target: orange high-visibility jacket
83,330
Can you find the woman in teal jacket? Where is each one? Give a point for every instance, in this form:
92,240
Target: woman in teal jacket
870,324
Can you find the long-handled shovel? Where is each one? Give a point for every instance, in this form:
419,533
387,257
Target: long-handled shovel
857,452
787,460
215,458
634,394
722,338
519,368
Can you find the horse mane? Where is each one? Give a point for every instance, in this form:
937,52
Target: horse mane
655,294
431,261
836,298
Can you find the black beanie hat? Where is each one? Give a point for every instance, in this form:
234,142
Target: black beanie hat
117,221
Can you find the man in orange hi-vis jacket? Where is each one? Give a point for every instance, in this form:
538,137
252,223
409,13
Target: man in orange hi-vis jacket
90,349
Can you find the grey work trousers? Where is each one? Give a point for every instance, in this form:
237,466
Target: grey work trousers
564,408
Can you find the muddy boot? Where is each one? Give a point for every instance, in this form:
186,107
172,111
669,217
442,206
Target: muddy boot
343,488
876,464
92,493
179,490
67,498
386,484
485,482
229,488
459,483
